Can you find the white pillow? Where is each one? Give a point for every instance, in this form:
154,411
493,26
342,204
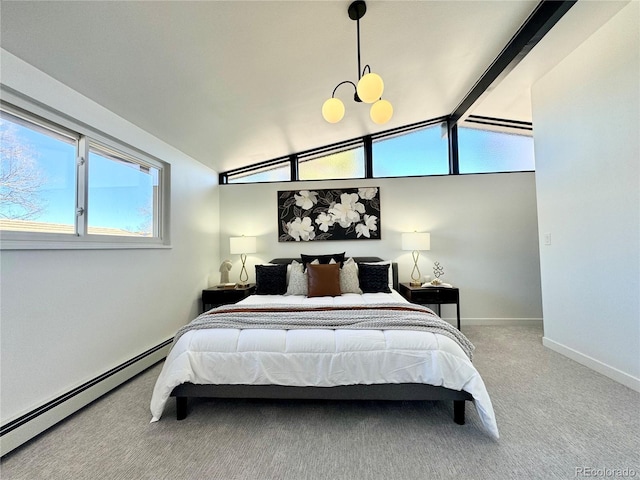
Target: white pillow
349,282
298,279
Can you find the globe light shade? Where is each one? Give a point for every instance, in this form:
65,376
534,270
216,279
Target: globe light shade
333,110
370,87
381,112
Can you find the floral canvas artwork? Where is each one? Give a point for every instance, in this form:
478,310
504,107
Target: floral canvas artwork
329,214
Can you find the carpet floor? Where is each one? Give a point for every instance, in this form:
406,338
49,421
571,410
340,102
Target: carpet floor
557,419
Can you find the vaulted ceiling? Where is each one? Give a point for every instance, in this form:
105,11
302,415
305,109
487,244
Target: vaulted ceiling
232,83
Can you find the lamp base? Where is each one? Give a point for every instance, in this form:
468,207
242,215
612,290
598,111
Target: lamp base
415,284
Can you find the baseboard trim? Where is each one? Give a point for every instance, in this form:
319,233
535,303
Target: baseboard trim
608,371
496,321
27,426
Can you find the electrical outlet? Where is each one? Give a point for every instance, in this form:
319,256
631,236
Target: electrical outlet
547,239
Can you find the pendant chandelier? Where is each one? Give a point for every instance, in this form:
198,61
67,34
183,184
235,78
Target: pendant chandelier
369,88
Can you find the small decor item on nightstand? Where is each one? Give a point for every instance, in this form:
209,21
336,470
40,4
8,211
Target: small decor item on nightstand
225,267
438,271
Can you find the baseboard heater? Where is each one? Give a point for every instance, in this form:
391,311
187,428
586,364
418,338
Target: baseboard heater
27,426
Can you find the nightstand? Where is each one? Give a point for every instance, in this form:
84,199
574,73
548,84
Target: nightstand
432,296
214,296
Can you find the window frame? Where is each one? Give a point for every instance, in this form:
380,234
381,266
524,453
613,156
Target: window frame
43,117
447,121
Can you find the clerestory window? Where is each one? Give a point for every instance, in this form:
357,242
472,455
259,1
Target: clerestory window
487,151
416,153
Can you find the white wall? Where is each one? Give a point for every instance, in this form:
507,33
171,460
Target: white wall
585,113
483,231
70,315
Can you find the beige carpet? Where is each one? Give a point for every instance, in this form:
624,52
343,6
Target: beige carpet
557,419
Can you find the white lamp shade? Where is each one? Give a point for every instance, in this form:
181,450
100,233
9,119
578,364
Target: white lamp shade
370,87
333,110
416,241
381,112
239,245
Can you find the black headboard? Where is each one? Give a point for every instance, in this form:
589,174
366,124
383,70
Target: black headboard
394,265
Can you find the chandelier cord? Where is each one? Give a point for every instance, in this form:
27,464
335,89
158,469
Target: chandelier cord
358,33
366,67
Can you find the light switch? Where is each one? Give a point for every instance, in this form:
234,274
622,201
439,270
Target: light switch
547,239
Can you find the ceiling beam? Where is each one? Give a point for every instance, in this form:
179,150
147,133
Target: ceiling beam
543,18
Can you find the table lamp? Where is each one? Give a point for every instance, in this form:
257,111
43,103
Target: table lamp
242,245
415,242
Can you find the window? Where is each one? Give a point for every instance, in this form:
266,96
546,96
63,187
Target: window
336,165
421,152
278,172
482,145
485,151
37,177
123,195
65,187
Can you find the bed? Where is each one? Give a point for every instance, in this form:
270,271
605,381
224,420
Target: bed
277,346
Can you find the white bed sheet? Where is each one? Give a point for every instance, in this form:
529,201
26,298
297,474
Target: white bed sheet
320,357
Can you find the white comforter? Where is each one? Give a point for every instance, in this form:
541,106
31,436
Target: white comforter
320,358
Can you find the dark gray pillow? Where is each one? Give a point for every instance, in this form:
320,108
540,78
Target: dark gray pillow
271,279
374,278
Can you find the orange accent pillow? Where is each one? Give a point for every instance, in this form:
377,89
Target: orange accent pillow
323,280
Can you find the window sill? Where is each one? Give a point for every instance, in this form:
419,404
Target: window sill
77,243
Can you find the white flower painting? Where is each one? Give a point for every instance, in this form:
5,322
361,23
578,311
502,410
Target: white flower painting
329,214
369,225
301,229
306,199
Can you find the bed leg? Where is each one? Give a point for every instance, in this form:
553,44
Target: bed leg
181,408
458,411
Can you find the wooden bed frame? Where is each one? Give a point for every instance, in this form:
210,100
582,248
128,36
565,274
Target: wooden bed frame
400,391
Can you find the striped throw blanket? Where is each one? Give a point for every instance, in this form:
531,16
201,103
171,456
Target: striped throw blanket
391,316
